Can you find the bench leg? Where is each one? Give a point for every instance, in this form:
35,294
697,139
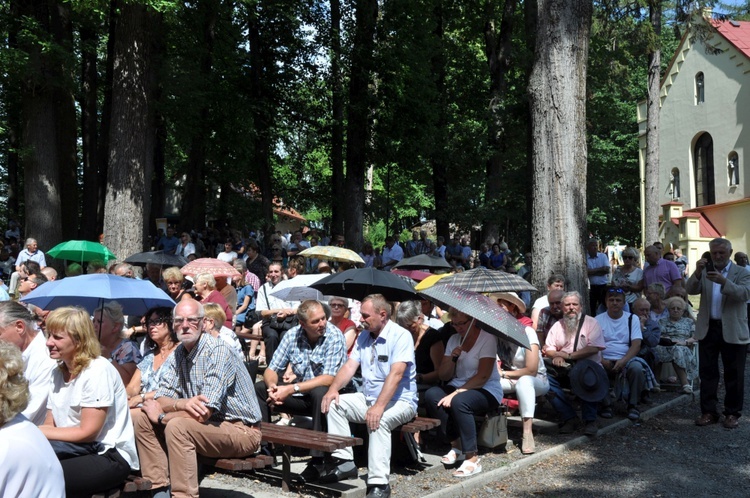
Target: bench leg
286,467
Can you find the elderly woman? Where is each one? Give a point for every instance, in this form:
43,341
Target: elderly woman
526,375
676,339
88,420
472,388
428,345
214,318
28,466
175,282
510,302
339,306
205,288
245,295
628,274
160,343
124,353
655,296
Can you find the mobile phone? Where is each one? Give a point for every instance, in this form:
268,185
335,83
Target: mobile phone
710,266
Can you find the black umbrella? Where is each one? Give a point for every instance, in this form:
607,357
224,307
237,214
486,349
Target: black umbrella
360,282
423,262
490,316
160,258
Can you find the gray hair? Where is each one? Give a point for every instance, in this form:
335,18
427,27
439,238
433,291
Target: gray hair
630,251
658,288
30,241
407,312
113,311
721,242
14,388
11,311
574,294
206,278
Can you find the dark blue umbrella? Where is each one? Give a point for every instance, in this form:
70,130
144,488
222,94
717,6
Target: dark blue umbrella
91,291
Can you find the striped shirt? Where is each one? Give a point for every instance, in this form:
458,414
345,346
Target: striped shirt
215,371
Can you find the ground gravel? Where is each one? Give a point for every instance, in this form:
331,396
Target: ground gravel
666,455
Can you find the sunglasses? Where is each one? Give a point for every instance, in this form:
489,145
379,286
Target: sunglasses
615,290
628,257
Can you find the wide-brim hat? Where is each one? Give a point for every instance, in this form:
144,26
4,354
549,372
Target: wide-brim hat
589,381
511,297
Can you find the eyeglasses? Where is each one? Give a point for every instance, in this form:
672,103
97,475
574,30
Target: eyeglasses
460,324
337,305
157,321
676,308
192,320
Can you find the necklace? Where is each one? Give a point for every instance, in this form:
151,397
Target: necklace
164,352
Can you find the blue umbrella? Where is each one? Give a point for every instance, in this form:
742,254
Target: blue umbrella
91,291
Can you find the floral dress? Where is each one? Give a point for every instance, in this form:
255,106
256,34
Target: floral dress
150,378
682,356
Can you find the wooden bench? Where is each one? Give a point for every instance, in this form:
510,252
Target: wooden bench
133,484
419,424
286,437
238,464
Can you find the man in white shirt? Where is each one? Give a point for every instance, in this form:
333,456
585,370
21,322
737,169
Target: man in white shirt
17,327
392,254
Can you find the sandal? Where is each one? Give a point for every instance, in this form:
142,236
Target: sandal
262,361
634,413
468,469
451,457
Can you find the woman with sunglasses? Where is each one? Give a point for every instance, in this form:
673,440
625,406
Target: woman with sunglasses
339,307
628,274
472,388
161,342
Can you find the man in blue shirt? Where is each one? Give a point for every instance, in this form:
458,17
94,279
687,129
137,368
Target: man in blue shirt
597,267
385,352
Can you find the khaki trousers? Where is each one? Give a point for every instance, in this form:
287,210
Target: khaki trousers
168,455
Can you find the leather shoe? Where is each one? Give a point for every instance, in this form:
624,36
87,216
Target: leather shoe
731,422
311,473
707,419
336,472
379,491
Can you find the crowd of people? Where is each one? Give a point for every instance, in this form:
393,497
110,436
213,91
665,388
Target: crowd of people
100,394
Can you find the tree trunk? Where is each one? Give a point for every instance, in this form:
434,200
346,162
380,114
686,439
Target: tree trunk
498,52
358,130
132,130
557,90
89,130
338,179
439,166
11,96
193,211
651,201
106,119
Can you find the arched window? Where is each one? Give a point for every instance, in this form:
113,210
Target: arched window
703,163
733,169
674,183
700,94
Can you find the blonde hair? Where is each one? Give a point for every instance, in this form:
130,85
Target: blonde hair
215,313
76,324
173,273
14,388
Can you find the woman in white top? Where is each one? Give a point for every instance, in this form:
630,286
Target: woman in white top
28,466
473,388
526,375
88,420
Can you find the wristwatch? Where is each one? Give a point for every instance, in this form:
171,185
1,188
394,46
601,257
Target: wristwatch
160,419
296,388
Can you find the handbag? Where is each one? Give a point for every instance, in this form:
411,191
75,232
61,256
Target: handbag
494,431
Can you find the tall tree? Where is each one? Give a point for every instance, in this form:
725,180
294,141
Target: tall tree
651,201
358,130
338,179
557,90
132,130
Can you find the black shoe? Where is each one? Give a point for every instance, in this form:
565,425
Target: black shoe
311,473
339,471
379,491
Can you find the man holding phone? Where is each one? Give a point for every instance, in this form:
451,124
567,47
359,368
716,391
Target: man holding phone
722,330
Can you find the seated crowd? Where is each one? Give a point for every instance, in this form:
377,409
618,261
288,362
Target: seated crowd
109,405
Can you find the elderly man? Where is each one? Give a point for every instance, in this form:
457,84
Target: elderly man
424,246
392,254
316,351
576,337
553,282
385,353
29,283
124,270
649,329
30,253
597,269
17,327
721,330
168,243
549,315
659,270
623,337
205,405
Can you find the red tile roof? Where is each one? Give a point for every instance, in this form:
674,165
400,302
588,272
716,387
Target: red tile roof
737,33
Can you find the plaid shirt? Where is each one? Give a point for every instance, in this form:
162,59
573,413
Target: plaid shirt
544,322
326,357
218,373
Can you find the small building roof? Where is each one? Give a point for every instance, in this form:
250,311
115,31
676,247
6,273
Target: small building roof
737,33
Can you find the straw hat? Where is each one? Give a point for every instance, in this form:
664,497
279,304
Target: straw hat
511,297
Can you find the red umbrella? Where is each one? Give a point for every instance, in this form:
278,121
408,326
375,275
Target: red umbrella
209,265
417,275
